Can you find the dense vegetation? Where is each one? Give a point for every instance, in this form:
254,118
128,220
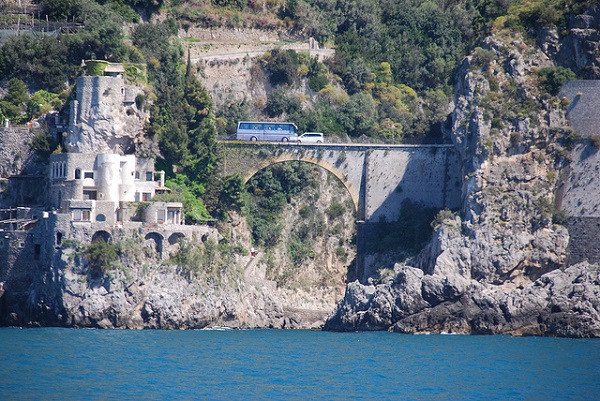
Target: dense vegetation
320,222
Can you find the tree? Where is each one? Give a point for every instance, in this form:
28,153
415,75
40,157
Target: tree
283,67
232,192
194,208
42,102
42,61
279,102
356,76
553,78
233,112
17,92
13,104
359,115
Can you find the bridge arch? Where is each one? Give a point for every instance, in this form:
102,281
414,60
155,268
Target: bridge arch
287,157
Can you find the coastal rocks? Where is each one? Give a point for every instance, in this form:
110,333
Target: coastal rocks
560,303
164,296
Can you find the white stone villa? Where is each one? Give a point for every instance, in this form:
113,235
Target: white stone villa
101,188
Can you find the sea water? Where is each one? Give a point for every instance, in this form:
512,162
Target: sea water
67,364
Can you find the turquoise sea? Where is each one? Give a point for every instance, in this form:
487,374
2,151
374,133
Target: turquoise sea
76,364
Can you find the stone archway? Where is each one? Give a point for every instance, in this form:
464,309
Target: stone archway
175,238
155,241
286,157
101,236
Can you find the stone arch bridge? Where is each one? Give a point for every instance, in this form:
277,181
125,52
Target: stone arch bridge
378,177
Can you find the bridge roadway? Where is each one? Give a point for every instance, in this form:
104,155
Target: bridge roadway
378,177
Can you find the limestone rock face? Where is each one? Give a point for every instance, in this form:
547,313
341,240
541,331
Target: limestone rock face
500,267
105,118
577,47
164,297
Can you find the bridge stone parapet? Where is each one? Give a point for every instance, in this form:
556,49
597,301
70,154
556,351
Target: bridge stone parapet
378,177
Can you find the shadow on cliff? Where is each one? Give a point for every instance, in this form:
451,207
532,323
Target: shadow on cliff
401,226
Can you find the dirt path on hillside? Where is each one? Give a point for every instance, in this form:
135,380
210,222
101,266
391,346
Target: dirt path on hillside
223,44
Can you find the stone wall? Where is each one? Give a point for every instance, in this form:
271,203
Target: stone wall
428,175
584,233
584,103
581,200
16,156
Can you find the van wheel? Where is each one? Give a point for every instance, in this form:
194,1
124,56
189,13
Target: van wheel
254,139
319,141
284,139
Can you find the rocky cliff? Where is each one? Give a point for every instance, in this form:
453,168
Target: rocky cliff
498,266
204,281
107,117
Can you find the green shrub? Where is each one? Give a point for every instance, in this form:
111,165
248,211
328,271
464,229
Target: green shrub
300,250
140,209
553,78
305,211
482,57
100,256
442,216
560,216
43,144
317,82
95,67
335,210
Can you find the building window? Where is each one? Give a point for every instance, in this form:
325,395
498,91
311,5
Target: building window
77,173
137,175
81,215
146,196
58,170
137,196
89,194
160,216
88,174
171,217
149,176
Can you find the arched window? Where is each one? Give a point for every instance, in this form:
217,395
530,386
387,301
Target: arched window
77,173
